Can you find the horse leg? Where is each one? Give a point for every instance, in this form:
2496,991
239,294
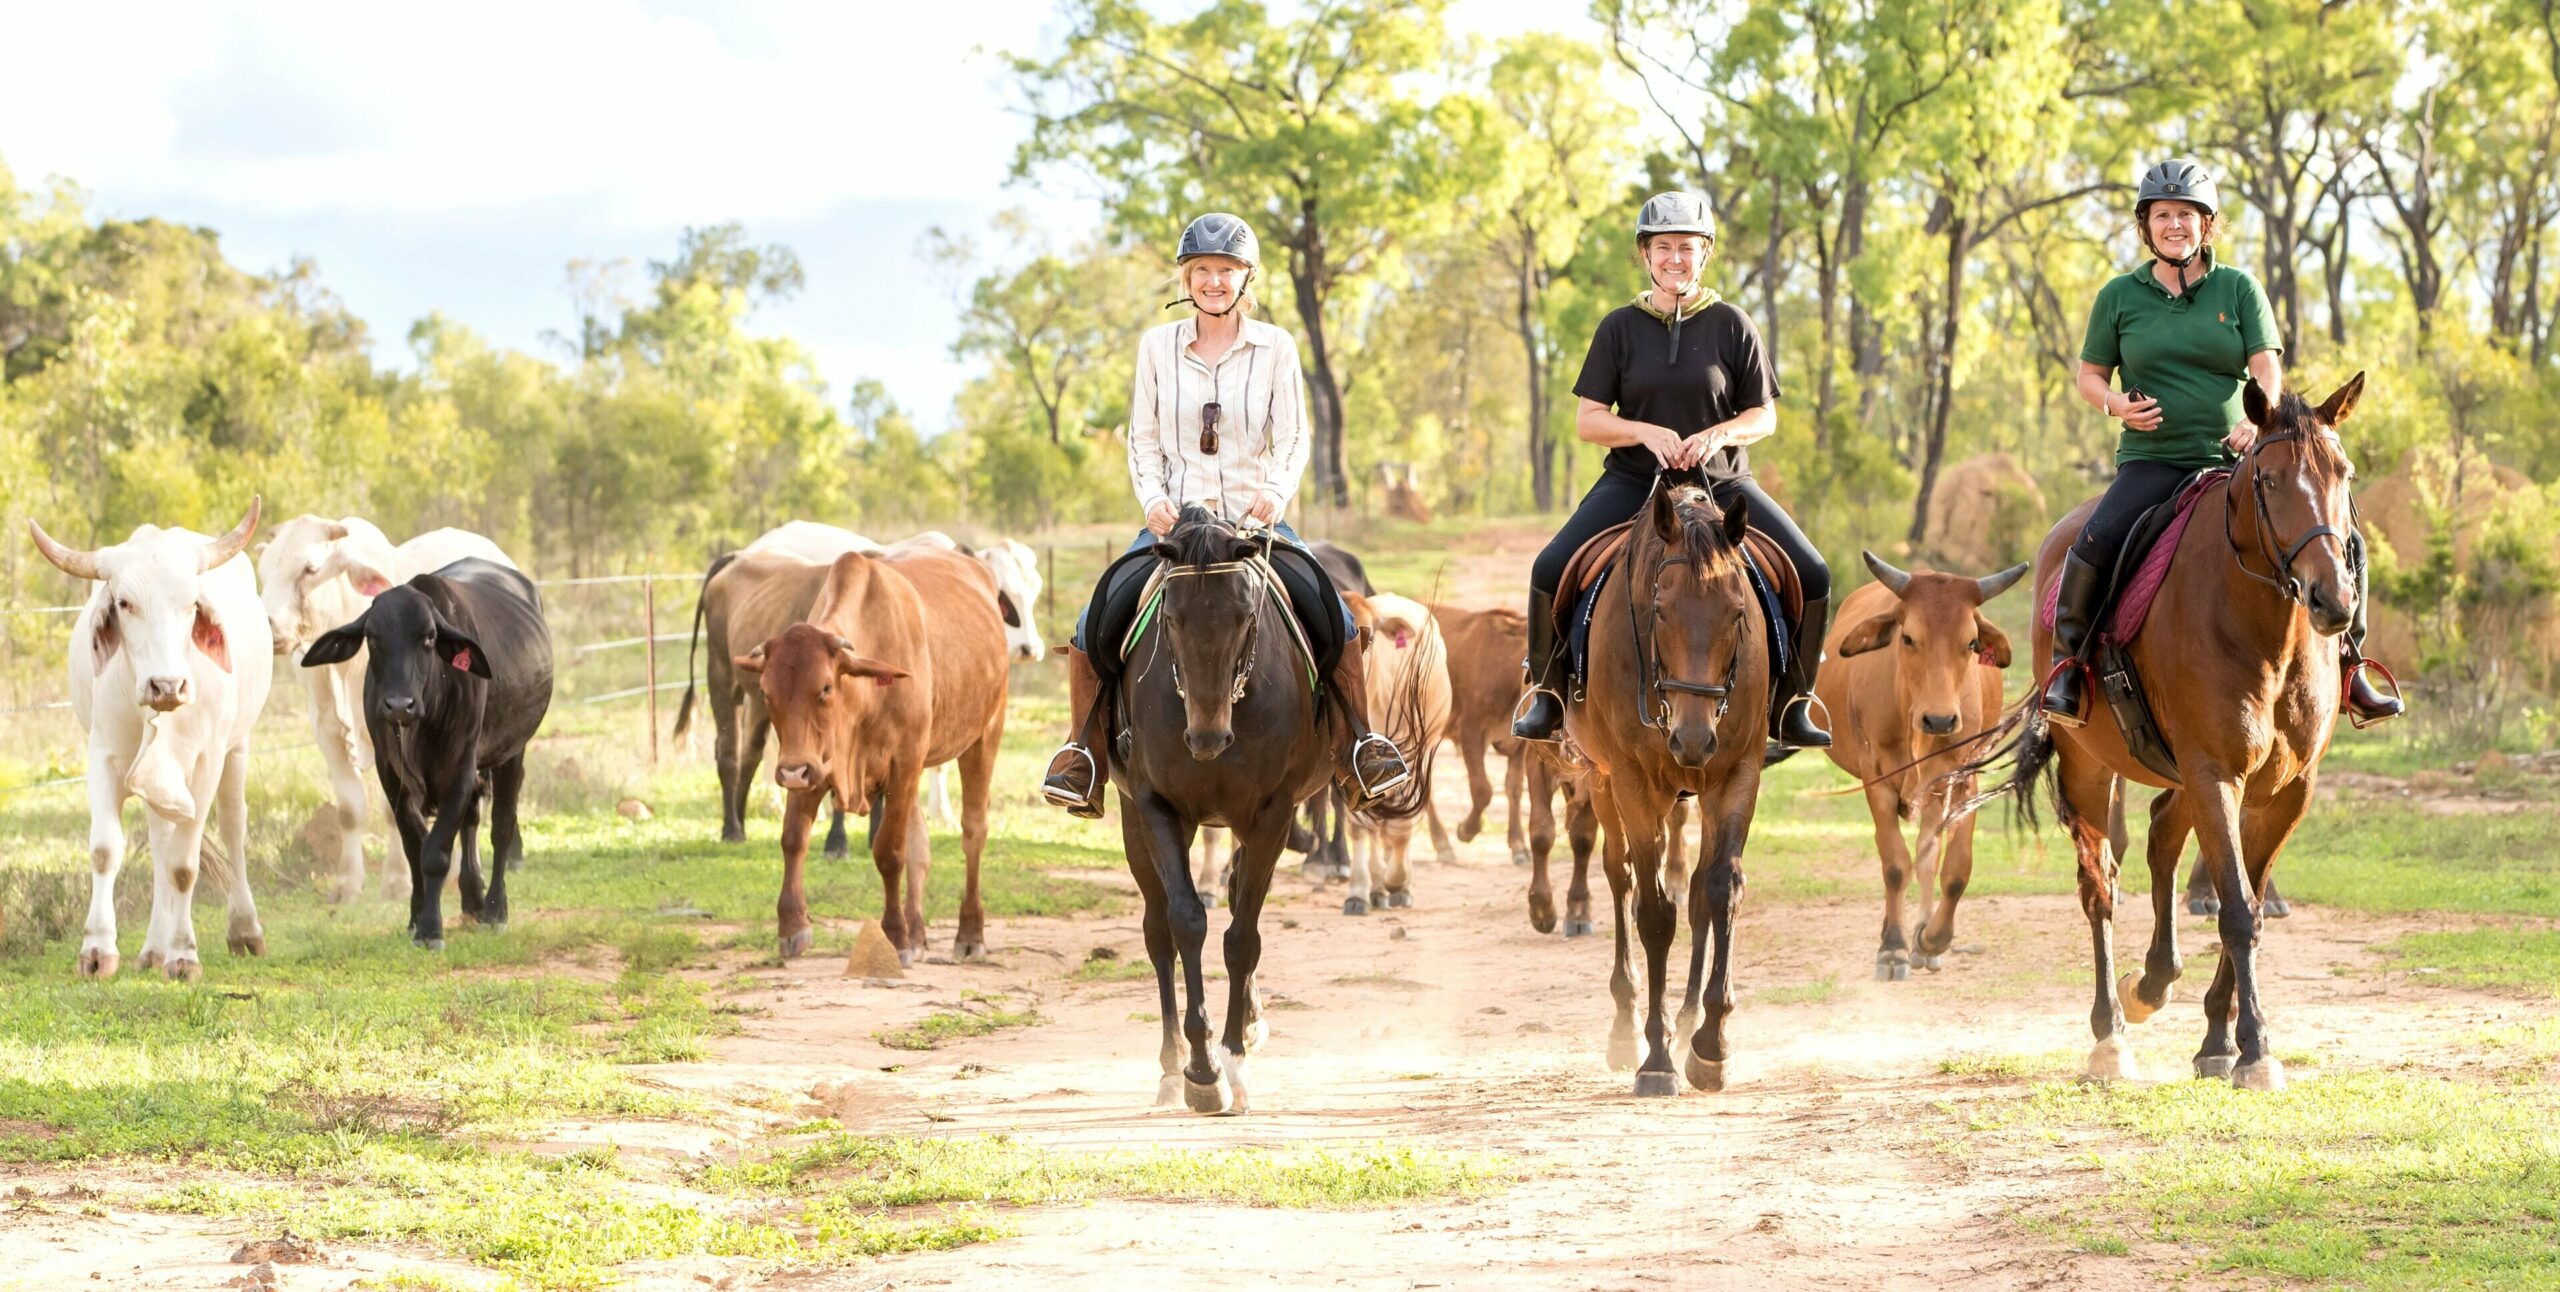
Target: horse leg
1582,830
1245,1030
1622,982
1722,890
2213,809
2263,832
1954,848
2201,899
2084,813
1357,902
1657,919
1158,927
1440,842
1893,955
2215,1058
1166,839
1699,935
1471,750
1542,840
1515,778
2160,969
1340,805
1206,855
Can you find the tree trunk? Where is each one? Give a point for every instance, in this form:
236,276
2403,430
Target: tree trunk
1324,387
1959,236
1542,481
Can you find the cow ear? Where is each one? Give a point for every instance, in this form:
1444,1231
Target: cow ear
1870,635
852,665
336,646
1993,644
105,640
1004,607
751,662
461,652
368,581
209,637
1737,521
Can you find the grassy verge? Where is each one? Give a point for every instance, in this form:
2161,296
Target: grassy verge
978,1014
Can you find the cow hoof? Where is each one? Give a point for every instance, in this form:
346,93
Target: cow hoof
2136,1009
2204,906
969,951
97,964
2215,1067
1893,966
2278,908
1577,928
1469,829
250,944
429,944
1169,1090
2109,1060
1399,899
1650,1085
793,944
342,893
493,924
151,958
182,969
1206,1096
1520,857
1622,1049
1704,1074
906,957
2266,1074
1355,906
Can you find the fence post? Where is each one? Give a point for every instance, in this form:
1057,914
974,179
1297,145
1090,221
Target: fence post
649,647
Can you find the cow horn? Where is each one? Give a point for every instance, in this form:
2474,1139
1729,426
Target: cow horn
216,551
1993,585
69,560
1886,574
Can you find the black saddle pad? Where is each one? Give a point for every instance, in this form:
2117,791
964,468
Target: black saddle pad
1117,597
1772,612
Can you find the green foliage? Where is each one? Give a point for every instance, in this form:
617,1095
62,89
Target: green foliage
860,1173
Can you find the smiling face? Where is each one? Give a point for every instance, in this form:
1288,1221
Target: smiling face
1674,260
1214,282
2176,230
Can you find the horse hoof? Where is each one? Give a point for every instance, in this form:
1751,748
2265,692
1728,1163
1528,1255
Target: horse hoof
968,951
97,964
1930,963
1236,1097
1205,1096
2136,1009
2215,1067
836,853
1577,928
2109,1060
1169,1090
1520,857
182,969
2204,906
1656,1084
151,957
2278,908
1704,1074
2266,1074
795,944
1355,906
498,925
428,944
248,944
1893,966
1399,899
1542,916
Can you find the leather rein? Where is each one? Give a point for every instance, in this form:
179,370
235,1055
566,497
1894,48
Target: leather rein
1653,705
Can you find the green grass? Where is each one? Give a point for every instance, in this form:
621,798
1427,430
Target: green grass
1799,993
858,1173
2521,959
976,1015
2370,1179
1113,969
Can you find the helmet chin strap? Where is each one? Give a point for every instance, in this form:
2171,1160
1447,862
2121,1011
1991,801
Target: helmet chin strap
1679,298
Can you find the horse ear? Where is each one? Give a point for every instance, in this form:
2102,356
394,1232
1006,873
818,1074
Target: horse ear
2253,402
1665,517
1737,521
2341,401
1167,552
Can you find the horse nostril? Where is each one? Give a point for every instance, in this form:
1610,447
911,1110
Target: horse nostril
1206,745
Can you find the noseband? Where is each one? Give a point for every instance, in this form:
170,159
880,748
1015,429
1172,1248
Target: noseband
2285,582
1653,704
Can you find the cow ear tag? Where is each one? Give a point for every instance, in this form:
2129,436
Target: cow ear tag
882,682
1983,657
462,659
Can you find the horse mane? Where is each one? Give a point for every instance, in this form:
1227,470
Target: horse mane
1701,531
1200,538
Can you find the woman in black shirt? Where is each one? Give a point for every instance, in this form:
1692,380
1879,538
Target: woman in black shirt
1676,378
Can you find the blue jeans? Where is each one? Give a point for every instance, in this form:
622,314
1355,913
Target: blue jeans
1147,538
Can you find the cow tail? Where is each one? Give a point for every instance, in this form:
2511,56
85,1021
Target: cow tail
684,709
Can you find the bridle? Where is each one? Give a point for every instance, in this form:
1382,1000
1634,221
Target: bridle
2281,557
1257,574
1653,705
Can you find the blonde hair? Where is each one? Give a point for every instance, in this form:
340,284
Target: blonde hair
1246,301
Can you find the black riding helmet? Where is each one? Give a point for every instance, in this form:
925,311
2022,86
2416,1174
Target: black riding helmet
2178,179
1221,234
1675,212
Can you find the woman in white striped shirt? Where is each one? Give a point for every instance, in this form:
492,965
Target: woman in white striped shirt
1217,419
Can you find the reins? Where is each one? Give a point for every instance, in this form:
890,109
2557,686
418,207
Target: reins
1653,706
2285,582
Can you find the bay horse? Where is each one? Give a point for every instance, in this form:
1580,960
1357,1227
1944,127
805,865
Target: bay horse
1676,698
1214,659
2244,690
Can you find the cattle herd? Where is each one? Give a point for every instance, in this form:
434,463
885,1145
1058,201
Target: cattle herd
872,668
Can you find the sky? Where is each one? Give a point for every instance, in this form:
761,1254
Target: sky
457,158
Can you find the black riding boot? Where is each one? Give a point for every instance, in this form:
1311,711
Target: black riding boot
2075,614
1542,716
1796,727
2365,704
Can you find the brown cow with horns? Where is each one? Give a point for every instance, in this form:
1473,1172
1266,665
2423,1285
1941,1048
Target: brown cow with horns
867,694
1906,717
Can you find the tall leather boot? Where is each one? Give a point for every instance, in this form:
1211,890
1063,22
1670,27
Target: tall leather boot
2363,702
1542,717
1796,728
1370,766
2075,613
1082,766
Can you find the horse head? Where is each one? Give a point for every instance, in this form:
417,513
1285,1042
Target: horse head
1693,607
2293,484
1213,597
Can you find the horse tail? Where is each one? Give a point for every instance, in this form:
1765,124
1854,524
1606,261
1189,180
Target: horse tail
2021,753
1406,723
701,602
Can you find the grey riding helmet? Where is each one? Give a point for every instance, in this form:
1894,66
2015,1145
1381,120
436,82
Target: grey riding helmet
1675,212
2180,179
1220,234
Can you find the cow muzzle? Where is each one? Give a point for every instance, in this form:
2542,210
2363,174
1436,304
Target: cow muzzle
1938,724
163,694
796,776
400,710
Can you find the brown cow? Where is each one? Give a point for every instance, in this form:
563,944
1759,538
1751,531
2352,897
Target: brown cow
749,597
1904,717
864,697
1485,650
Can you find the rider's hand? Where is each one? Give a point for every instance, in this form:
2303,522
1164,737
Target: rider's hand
1699,447
2139,414
2241,437
1665,446
1264,511
1160,517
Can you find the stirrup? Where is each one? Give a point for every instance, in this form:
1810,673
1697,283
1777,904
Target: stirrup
2357,720
2088,683
1372,793
1521,706
1811,702
1091,804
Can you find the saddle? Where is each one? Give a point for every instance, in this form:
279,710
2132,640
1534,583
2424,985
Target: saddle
2140,570
1773,577
1125,599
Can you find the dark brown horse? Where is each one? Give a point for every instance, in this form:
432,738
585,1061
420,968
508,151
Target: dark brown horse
2244,689
1676,699
1215,658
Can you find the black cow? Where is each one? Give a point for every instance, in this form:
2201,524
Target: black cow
456,680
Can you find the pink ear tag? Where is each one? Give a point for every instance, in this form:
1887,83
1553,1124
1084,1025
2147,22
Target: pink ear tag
882,682
373,587
1984,659
462,659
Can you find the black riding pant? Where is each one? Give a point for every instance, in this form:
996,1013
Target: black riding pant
1618,496
2138,487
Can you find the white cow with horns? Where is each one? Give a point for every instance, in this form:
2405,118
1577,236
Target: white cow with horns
317,574
170,665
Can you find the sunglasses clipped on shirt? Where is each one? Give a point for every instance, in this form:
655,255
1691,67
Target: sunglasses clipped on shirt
1209,413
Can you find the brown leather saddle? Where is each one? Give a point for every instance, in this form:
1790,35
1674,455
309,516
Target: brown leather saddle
1603,549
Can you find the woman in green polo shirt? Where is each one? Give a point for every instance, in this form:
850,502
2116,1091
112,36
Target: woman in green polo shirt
2186,332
